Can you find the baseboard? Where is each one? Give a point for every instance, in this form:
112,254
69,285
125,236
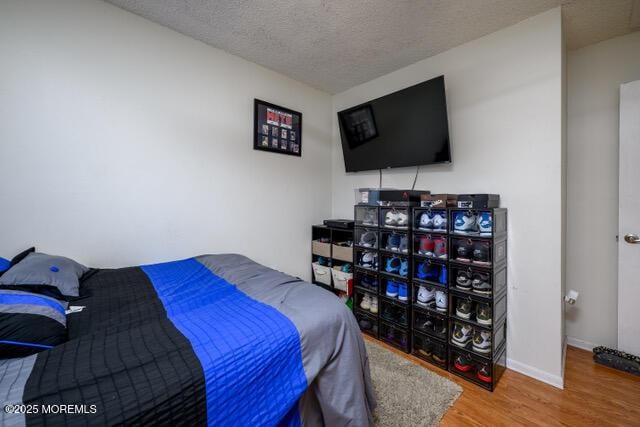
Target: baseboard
554,380
585,345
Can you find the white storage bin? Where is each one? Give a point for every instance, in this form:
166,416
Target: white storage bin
321,273
341,280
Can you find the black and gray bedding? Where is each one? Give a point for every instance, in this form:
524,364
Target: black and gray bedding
216,339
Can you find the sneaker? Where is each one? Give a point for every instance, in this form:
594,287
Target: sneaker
428,271
484,314
369,239
440,248
442,277
369,282
393,242
463,309
481,284
365,303
440,222
392,289
403,294
482,341
388,314
391,336
403,219
463,363
441,301
374,305
424,323
465,223
402,319
483,373
426,349
365,324
425,296
485,224
426,221
346,268
391,219
404,244
404,268
369,260
370,217
462,334
463,280
464,251
481,253
393,265
439,356
427,246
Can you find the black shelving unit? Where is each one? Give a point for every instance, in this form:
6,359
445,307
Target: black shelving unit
478,282
325,244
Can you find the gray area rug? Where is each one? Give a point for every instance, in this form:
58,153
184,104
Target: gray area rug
408,394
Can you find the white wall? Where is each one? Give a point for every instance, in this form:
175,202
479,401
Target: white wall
123,142
504,99
594,77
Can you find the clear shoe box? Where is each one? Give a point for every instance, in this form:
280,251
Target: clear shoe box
430,323
395,241
395,336
392,287
430,272
424,297
393,311
366,282
366,238
497,307
478,281
395,265
431,245
395,218
367,324
487,223
366,216
366,259
496,336
429,349
469,366
363,300
478,252
431,220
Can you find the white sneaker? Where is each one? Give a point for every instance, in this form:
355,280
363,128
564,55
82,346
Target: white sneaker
426,220
374,305
440,222
482,341
441,301
425,295
403,219
365,303
391,219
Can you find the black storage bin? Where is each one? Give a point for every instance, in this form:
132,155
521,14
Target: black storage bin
430,272
430,349
482,372
430,322
395,241
478,281
394,335
368,324
366,237
431,220
395,265
484,223
366,259
366,216
366,282
394,312
431,245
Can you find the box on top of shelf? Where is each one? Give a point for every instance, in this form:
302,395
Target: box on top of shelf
438,200
388,196
478,201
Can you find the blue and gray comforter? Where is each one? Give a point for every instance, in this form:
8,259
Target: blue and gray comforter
217,340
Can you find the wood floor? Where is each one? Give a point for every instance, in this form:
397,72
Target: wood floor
593,396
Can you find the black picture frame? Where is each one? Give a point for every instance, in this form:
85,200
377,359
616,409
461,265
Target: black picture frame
273,123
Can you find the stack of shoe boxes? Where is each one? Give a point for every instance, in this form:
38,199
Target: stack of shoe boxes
477,291
366,281
430,318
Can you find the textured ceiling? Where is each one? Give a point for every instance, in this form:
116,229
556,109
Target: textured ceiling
336,44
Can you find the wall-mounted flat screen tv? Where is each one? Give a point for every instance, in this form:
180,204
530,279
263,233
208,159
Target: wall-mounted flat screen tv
406,128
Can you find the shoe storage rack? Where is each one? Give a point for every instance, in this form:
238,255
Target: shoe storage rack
478,294
331,247
452,310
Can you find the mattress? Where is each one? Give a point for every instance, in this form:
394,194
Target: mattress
210,340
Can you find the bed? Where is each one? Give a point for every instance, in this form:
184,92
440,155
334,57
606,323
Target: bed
215,339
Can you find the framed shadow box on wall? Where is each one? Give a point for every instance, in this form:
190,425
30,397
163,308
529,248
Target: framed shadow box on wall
276,129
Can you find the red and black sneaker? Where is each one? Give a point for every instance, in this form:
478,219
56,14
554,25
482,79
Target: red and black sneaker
483,373
463,363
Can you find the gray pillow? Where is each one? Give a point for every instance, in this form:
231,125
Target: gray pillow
39,269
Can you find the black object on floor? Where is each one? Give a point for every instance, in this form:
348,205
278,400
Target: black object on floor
617,359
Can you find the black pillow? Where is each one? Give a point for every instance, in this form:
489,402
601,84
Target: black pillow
30,323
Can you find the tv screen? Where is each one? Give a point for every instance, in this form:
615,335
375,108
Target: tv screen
405,128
